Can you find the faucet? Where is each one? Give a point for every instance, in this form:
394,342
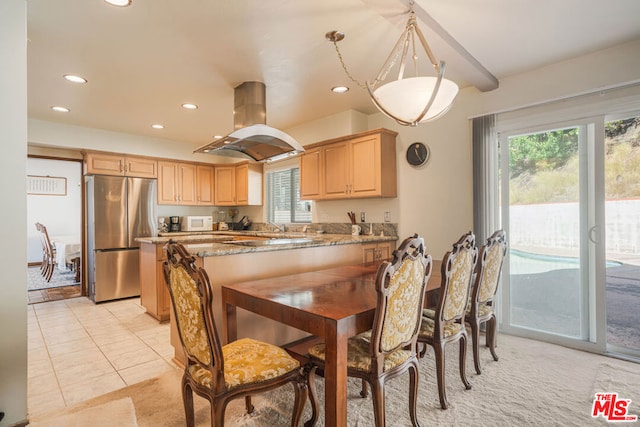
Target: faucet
280,228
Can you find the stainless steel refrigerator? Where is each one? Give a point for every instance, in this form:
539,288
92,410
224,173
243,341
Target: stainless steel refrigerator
119,209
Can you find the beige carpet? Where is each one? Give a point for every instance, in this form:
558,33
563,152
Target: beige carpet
533,384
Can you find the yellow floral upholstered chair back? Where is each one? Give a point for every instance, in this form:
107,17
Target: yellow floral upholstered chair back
402,310
481,307
462,259
494,252
189,316
445,323
221,373
389,349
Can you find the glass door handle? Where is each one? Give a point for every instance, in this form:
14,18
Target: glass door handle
594,233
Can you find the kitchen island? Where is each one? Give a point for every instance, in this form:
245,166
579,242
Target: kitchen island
236,256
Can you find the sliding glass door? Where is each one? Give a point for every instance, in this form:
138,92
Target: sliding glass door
570,198
546,203
622,219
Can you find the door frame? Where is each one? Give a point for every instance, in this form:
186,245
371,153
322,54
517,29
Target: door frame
83,282
592,251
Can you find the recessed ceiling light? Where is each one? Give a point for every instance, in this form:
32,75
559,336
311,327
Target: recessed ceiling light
339,89
189,106
156,126
119,2
217,136
60,109
74,79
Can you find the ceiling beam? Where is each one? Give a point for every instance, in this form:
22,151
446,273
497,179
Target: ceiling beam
476,73
461,65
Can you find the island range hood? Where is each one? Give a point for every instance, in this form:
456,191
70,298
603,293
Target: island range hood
252,138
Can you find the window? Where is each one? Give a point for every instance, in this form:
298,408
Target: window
283,204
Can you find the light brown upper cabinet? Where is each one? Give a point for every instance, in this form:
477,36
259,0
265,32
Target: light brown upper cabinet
188,184
176,183
311,174
204,184
115,164
356,166
238,184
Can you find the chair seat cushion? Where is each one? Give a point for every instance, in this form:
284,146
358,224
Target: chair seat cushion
359,356
428,325
247,361
483,310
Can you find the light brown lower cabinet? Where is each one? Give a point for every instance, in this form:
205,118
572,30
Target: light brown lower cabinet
154,295
373,252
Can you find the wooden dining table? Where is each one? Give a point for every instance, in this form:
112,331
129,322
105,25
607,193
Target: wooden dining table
331,304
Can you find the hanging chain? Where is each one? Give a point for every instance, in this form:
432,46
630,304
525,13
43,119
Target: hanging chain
344,67
408,36
382,75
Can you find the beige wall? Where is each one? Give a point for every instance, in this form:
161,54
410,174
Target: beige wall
434,200
13,233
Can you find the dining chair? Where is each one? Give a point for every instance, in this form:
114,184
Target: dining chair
389,349
480,308
215,372
445,323
48,253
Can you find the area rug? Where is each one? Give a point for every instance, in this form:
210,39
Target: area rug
58,279
533,384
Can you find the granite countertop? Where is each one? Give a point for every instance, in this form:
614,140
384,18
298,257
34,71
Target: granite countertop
211,243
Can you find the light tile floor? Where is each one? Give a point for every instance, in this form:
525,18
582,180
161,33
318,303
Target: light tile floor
78,350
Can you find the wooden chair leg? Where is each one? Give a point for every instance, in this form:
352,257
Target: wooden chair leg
187,400
492,336
217,412
313,395
248,404
76,268
423,351
377,396
463,362
438,351
49,272
363,391
301,391
475,338
413,394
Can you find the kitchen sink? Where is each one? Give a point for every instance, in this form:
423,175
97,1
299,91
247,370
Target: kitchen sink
274,241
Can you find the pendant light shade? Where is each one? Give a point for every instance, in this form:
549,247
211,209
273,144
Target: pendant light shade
405,100
413,99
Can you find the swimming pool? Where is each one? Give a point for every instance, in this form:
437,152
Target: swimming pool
529,263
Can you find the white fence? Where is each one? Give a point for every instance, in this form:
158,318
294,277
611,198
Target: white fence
556,225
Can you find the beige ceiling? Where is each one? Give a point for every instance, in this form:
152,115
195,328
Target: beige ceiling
144,61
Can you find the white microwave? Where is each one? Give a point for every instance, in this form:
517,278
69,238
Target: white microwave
198,223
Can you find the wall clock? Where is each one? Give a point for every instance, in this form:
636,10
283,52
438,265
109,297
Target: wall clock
417,154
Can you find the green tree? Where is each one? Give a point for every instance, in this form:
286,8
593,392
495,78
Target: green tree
541,151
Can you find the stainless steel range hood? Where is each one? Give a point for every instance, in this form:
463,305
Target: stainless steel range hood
252,138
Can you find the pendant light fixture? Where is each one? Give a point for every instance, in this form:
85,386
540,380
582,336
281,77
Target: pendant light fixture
408,100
